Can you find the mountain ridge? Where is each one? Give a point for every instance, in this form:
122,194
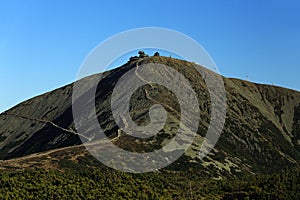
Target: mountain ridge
261,132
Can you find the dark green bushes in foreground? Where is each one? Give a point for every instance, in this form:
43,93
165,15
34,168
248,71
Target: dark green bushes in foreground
109,184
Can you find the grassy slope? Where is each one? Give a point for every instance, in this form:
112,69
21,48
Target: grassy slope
261,135
72,173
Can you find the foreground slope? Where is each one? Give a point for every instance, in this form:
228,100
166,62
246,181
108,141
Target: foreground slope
261,133
70,173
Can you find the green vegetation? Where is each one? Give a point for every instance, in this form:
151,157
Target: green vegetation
261,135
104,183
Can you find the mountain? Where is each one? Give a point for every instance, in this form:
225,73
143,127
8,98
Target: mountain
261,133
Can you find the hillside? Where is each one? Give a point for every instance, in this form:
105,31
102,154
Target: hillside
261,134
71,172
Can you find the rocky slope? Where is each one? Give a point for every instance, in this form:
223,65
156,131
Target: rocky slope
261,133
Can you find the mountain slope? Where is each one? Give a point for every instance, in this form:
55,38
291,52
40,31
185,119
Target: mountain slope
261,133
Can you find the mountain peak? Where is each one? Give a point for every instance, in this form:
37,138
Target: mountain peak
261,132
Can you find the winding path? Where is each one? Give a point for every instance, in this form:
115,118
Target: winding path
139,76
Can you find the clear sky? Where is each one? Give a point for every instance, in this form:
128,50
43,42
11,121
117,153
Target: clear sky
43,43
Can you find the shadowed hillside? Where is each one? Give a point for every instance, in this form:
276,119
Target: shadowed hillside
261,133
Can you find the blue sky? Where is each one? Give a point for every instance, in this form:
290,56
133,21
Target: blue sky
43,43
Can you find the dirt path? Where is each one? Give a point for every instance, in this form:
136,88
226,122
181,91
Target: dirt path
139,76
40,154
47,122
